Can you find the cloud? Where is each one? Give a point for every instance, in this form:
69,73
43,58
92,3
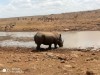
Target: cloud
21,3
41,7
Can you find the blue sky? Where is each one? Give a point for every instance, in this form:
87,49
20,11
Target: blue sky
4,2
16,8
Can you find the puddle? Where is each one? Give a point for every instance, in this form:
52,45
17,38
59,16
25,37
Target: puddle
72,39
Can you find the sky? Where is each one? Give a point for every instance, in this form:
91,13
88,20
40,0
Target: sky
17,8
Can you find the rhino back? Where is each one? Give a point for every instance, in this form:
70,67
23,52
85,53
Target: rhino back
38,38
46,37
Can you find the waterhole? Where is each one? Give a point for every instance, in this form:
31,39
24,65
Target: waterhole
72,39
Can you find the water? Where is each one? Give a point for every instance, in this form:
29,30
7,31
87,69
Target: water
82,39
72,39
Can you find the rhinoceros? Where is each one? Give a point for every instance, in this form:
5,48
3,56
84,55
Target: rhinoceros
48,38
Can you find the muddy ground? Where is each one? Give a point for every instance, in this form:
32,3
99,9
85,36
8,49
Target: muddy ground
26,61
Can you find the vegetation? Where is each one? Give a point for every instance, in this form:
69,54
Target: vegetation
88,20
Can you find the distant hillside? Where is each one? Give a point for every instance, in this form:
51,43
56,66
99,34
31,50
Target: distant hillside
87,20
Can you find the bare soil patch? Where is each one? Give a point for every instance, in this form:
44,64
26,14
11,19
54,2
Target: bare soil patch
27,61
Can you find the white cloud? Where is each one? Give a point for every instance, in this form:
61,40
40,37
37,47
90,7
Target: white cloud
21,3
42,7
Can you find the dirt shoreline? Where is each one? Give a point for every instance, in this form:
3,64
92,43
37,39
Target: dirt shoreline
28,61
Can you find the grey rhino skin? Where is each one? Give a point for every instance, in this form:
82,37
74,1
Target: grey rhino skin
48,38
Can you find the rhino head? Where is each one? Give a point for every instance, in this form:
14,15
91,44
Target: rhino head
60,42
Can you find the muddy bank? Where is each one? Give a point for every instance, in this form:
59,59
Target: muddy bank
61,28
28,50
27,61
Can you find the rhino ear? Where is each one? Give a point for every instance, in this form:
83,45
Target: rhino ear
60,36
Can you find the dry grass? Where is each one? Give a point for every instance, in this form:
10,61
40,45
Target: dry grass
89,20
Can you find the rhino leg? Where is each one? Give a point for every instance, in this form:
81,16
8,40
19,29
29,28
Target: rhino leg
38,46
55,46
49,46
